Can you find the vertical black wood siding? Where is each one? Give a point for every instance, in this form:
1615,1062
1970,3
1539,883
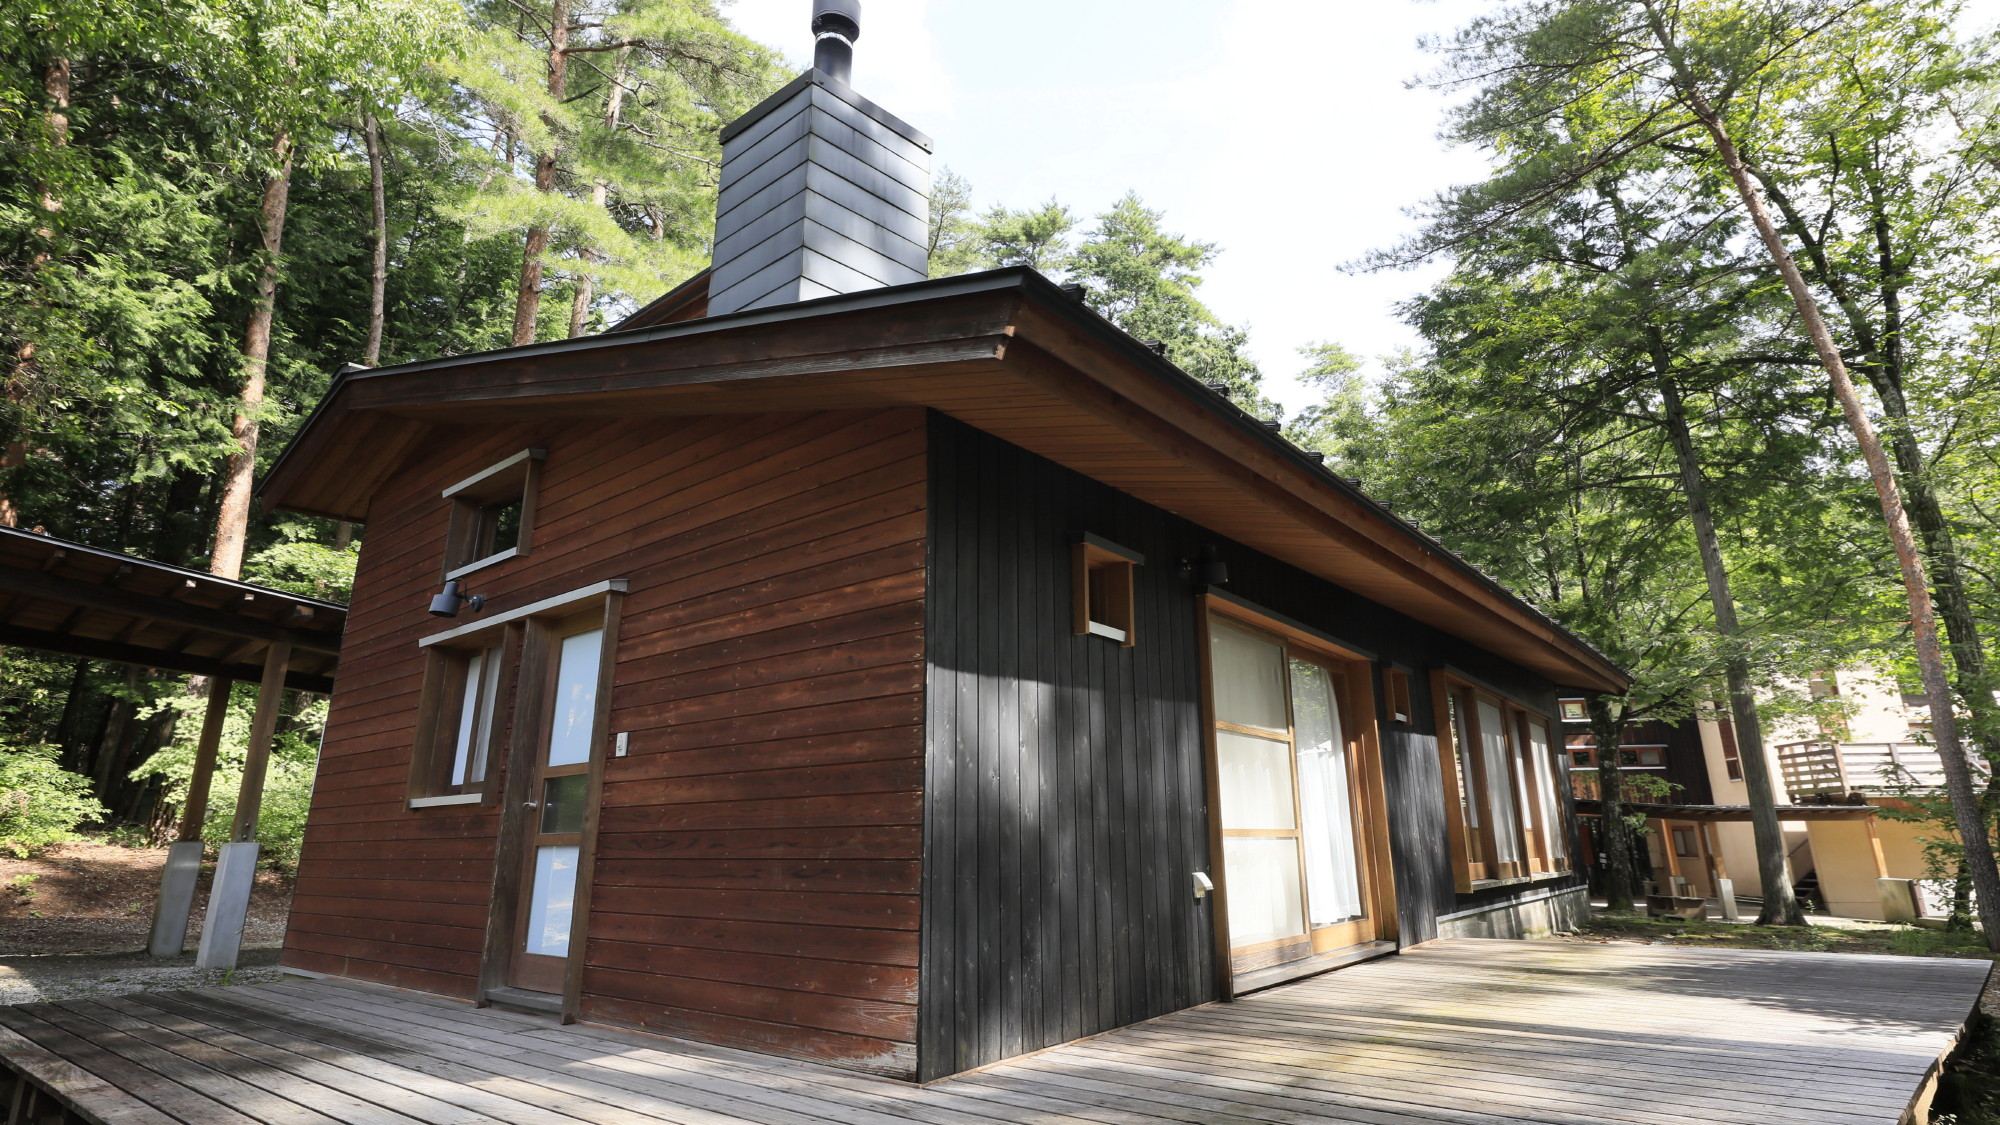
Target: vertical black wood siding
1065,798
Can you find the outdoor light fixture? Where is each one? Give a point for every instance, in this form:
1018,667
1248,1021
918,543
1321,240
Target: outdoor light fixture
1208,569
447,601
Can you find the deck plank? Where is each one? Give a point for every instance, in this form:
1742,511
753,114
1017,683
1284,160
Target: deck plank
1450,1033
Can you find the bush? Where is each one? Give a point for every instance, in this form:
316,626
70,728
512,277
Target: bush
41,803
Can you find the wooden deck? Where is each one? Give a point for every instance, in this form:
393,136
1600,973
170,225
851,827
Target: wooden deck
1461,1031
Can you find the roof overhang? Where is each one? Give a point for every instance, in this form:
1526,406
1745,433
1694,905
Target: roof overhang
1006,352
70,599
1731,812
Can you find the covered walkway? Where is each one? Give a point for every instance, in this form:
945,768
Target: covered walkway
1472,1032
74,600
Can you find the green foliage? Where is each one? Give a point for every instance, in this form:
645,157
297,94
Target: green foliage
40,802
287,786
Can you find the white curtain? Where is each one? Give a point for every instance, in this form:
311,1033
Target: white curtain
1333,875
1499,784
1545,773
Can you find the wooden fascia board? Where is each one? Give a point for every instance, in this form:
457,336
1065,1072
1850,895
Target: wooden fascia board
1143,406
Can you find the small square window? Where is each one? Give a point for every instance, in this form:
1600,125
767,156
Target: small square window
1101,591
1575,711
457,723
491,514
1396,685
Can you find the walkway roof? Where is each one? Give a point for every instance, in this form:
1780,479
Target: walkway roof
67,598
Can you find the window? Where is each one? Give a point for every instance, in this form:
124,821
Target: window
1101,589
1684,843
1575,711
1732,758
1396,685
456,725
1506,814
492,513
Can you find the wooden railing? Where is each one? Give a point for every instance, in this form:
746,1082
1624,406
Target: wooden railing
1837,768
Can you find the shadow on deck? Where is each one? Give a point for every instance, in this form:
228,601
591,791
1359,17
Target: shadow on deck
1470,1032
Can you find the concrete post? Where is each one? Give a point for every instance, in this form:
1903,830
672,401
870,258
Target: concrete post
228,906
183,869
236,867
176,902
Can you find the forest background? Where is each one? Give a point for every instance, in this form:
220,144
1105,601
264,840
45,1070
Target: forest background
207,207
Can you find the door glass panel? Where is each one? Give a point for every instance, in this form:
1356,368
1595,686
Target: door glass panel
562,802
1326,804
1249,677
1256,778
574,709
554,895
1264,899
1499,783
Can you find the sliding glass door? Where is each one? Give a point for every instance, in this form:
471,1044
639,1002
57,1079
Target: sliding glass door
1294,849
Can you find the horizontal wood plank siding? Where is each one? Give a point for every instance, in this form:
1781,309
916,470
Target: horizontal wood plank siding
758,860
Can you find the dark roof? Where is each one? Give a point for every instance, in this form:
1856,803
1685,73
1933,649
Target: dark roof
998,322
68,598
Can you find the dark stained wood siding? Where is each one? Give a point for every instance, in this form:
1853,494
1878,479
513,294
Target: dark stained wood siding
758,858
1066,804
1065,773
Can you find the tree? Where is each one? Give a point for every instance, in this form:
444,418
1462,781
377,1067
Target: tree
603,117
1144,278
1338,424
1627,76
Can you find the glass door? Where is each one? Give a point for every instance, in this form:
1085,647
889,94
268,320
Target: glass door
1293,849
553,815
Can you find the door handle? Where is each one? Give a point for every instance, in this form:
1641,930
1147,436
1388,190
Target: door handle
1202,885
531,805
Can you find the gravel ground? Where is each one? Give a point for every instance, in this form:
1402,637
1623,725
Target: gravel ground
26,980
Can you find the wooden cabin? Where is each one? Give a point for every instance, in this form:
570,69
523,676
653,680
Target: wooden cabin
902,675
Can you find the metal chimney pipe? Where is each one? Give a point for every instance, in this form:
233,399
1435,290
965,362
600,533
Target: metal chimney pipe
836,25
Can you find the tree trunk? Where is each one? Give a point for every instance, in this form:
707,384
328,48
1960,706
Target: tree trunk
1883,364
378,273
1615,840
586,286
1774,873
232,518
528,294
1967,809
14,454
111,744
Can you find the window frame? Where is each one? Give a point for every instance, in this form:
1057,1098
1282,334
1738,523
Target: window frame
1473,842
441,720
473,497
1091,555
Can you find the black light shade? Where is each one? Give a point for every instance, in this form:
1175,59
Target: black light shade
449,599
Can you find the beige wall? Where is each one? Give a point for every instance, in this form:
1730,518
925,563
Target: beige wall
1849,860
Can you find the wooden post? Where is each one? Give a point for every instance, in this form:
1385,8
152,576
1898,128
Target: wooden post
257,759
195,810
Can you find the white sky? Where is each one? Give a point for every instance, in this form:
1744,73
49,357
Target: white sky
1282,130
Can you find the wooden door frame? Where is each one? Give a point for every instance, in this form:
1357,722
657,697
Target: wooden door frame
530,715
1353,668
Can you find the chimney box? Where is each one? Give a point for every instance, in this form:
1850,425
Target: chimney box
823,191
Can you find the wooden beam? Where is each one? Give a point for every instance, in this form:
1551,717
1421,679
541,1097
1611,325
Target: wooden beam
147,656
257,759
70,592
196,808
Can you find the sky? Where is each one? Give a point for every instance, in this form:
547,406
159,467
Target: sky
1285,131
